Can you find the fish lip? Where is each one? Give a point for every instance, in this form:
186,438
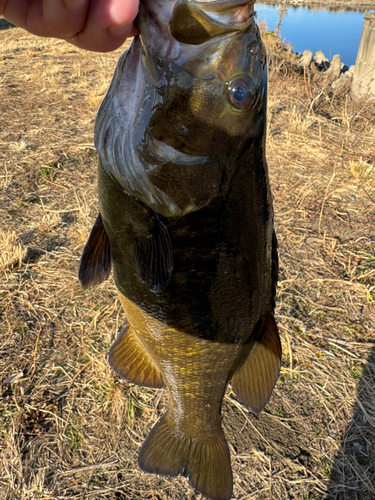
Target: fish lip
225,4
227,16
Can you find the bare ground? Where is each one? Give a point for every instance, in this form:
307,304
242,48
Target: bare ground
69,428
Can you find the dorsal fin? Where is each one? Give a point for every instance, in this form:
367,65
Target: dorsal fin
95,264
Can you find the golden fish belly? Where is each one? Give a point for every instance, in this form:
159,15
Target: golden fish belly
195,371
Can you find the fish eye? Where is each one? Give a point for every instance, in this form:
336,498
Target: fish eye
239,92
254,48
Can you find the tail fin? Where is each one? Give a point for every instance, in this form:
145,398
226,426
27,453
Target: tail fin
206,465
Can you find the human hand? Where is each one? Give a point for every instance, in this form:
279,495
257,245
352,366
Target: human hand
98,25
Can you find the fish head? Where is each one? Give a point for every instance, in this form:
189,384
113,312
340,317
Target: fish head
210,81
187,100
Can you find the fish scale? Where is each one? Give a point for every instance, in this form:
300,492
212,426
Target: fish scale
186,223
182,359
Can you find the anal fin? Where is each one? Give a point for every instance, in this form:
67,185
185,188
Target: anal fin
95,264
130,360
206,465
253,383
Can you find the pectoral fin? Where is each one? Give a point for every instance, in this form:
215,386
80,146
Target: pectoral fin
153,253
95,263
255,380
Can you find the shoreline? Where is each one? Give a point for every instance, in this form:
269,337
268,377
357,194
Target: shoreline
328,4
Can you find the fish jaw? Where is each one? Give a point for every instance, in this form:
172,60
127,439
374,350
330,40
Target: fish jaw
164,22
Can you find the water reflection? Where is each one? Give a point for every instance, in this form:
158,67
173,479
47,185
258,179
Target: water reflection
335,30
317,7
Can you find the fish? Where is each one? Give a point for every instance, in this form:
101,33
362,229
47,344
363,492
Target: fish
186,224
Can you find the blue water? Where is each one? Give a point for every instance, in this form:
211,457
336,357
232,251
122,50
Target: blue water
313,29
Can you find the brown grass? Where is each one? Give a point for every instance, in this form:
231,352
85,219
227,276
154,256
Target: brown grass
69,428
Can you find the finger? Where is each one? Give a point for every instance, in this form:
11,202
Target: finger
16,11
108,24
54,18
65,18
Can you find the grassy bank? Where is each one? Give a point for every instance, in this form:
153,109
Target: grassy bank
69,428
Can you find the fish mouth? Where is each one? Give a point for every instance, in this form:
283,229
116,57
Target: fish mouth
244,13
195,22
244,9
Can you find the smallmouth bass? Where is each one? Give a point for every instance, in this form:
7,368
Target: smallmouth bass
186,222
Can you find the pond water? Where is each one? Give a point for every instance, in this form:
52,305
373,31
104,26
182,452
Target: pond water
317,28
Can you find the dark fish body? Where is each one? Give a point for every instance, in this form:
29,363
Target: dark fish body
186,220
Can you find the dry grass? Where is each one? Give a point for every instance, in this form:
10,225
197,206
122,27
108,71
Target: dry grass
69,428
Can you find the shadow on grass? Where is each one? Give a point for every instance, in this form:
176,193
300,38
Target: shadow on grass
353,474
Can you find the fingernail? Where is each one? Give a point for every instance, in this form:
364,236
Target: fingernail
122,30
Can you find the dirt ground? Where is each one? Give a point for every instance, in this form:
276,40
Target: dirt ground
69,428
